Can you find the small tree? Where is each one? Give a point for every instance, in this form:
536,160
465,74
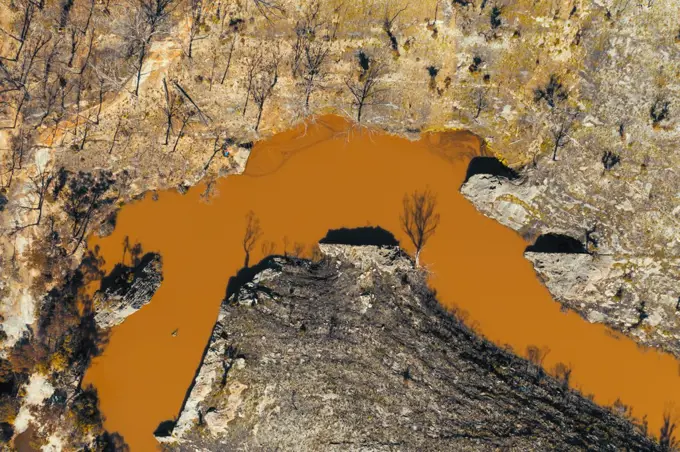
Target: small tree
365,88
388,23
253,64
40,184
263,86
419,219
171,109
480,100
229,55
196,12
85,197
560,132
151,16
315,54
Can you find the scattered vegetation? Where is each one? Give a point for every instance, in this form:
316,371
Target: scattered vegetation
552,93
495,17
476,63
659,110
610,160
432,71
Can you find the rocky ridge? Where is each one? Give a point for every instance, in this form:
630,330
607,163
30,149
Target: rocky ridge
353,352
636,294
126,289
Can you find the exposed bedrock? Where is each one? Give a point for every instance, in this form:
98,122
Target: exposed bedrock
126,289
355,353
588,264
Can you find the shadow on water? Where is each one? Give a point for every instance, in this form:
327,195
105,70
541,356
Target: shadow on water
120,275
489,165
367,235
246,275
165,428
557,243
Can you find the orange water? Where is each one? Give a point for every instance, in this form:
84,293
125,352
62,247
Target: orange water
328,175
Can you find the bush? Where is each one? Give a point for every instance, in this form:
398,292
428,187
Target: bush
85,411
552,93
659,110
495,17
9,408
610,160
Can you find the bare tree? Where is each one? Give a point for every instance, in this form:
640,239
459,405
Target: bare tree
419,219
388,23
115,134
20,38
364,89
298,249
252,235
253,63
220,145
202,116
263,86
18,146
196,11
480,100
560,132
310,49
171,109
186,116
269,8
305,31
315,54
229,55
88,124
40,184
152,14
535,358
86,195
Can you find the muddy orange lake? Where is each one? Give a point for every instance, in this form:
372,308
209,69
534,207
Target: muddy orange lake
325,175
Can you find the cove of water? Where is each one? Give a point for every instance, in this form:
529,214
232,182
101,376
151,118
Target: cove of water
326,175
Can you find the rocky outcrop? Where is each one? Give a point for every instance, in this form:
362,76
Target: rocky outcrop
126,289
511,203
635,294
355,353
